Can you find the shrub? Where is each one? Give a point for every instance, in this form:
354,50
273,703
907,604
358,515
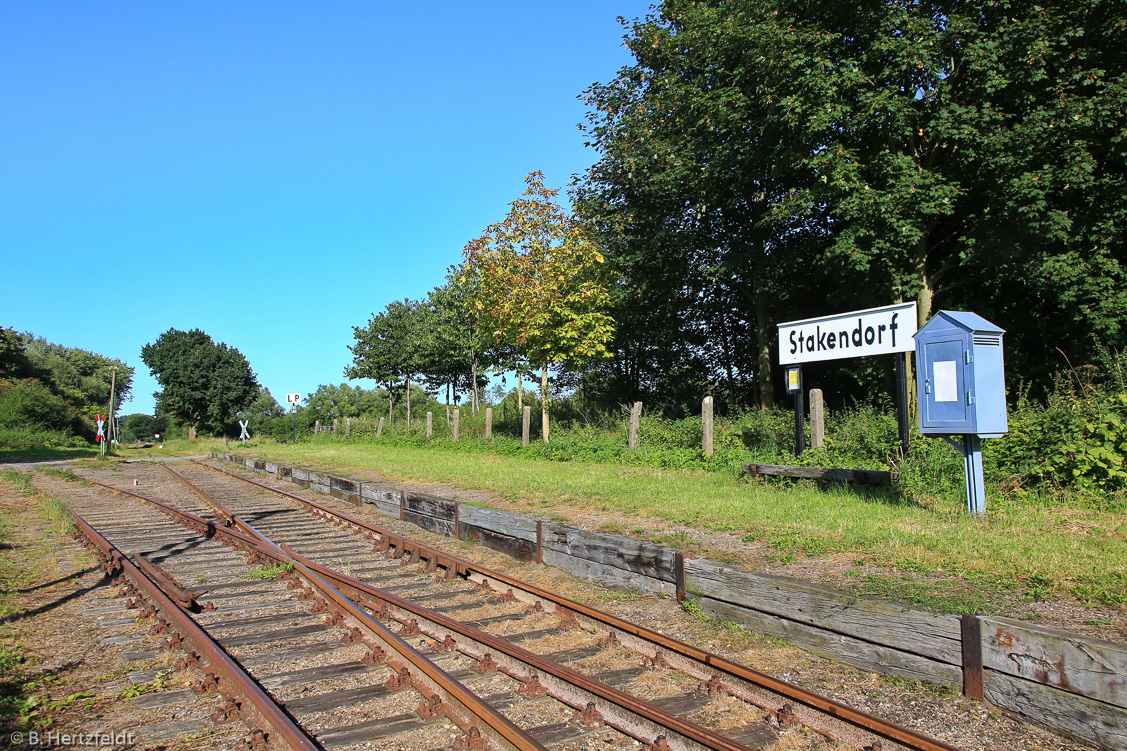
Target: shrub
30,408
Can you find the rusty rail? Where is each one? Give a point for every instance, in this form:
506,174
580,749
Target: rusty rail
470,712
810,707
641,720
278,730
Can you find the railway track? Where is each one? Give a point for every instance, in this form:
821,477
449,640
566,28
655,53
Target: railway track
370,639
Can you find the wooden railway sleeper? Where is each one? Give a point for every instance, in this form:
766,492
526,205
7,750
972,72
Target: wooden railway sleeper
265,713
823,715
563,612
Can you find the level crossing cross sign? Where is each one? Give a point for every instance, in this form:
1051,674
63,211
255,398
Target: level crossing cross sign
101,421
244,435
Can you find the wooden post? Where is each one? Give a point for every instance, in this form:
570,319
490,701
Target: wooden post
347,427
457,422
488,422
902,402
430,424
334,427
635,426
191,432
526,423
706,423
817,419
316,427
379,428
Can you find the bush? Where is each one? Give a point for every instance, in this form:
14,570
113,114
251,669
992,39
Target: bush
29,407
1077,438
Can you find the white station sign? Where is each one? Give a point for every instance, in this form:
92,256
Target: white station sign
861,333
293,398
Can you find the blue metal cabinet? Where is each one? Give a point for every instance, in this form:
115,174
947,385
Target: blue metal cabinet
961,386
961,376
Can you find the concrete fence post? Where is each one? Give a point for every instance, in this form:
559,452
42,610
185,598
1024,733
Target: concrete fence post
635,426
430,424
817,419
379,428
526,424
488,422
347,427
706,423
334,427
457,423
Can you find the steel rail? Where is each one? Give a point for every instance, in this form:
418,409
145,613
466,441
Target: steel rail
644,721
502,731
822,705
280,730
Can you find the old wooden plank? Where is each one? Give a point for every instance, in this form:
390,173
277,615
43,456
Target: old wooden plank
503,522
429,505
386,500
636,556
1078,664
863,654
259,465
608,576
318,487
300,474
1077,717
520,549
270,467
345,496
937,637
430,523
344,484
870,476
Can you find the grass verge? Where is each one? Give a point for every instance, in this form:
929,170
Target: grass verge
23,703
1028,546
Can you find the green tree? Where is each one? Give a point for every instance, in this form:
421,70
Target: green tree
138,427
202,383
393,348
765,159
460,349
536,281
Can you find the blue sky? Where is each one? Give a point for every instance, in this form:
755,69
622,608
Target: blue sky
273,173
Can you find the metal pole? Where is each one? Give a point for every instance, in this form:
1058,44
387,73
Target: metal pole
113,383
799,418
293,415
976,482
902,400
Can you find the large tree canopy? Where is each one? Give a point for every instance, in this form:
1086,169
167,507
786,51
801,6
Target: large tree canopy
202,383
774,159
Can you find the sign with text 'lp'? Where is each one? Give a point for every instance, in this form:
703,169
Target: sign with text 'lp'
876,331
